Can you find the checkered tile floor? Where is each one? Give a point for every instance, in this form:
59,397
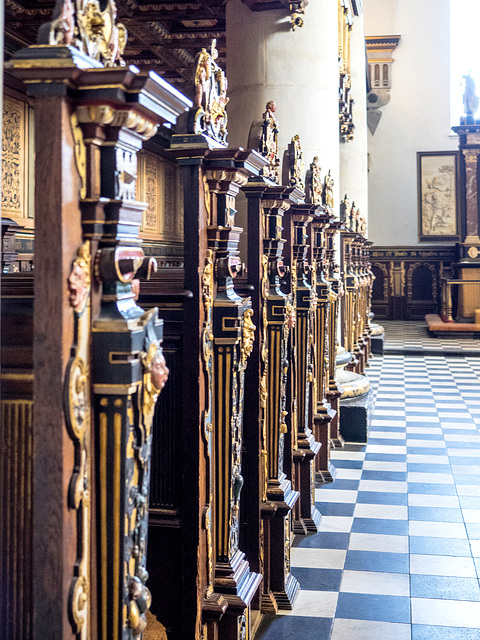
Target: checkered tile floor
398,553
414,336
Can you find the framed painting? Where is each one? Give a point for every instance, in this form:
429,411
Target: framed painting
438,206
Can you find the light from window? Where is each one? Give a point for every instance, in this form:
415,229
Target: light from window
464,52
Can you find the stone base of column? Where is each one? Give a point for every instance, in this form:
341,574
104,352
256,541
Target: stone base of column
355,415
286,598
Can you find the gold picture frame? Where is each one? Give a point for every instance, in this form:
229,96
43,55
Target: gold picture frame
438,196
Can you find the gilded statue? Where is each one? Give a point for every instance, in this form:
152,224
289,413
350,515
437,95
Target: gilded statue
209,115
90,27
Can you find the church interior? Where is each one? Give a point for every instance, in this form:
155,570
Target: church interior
240,321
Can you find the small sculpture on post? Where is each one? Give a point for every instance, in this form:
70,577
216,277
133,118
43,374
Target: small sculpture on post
470,99
328,193
268,142
208,115
314,185
297,166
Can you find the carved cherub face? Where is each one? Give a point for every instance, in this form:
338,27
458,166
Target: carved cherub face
78,285
159,370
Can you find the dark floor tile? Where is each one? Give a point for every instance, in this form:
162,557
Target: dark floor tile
349,485
422,467
430,632
459,432
444,588
347,464
461,461
460,444
461,478
376,561
336,508
431,488
318,579
415,422
380,497
425,436
323,540
398,476
426,451
304,627
389,442
439,546
435,514
366,606
386,457
379,525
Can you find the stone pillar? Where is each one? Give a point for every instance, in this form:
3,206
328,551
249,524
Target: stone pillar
353,154
297,69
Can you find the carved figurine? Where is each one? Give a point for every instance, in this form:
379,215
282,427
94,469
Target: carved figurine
89,25
346,209
79,279
328,192
209,114
314,186
297,166
268,143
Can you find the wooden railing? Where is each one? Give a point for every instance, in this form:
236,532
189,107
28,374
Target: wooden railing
446,308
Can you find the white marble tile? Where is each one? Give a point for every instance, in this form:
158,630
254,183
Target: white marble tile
387,584
437,529
382,511
435,430
426,444
430,565
384,422
466,489
340,454
447,613
466,469
316,604
430,478
317,558
343,524
369,630
335,495
421,459
387,435
462,453
475,547
471,516
385,448
348,474
461,438
429,500
378,542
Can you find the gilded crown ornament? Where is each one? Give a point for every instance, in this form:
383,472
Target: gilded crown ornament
90,26
208,115
314,185
297,166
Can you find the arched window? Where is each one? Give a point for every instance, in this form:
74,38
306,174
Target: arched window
464,58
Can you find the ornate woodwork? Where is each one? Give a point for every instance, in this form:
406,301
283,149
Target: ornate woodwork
302,443
400,292
269,495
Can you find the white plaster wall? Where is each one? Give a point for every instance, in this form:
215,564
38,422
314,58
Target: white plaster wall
417,118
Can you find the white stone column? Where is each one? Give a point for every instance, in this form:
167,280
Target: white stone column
298,69
353,155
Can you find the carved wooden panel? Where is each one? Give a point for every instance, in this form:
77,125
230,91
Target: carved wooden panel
159,187
14,159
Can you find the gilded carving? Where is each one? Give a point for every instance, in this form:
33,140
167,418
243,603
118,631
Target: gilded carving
78,419
80,154
13,157
248,335
151,193
88,25
209,115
